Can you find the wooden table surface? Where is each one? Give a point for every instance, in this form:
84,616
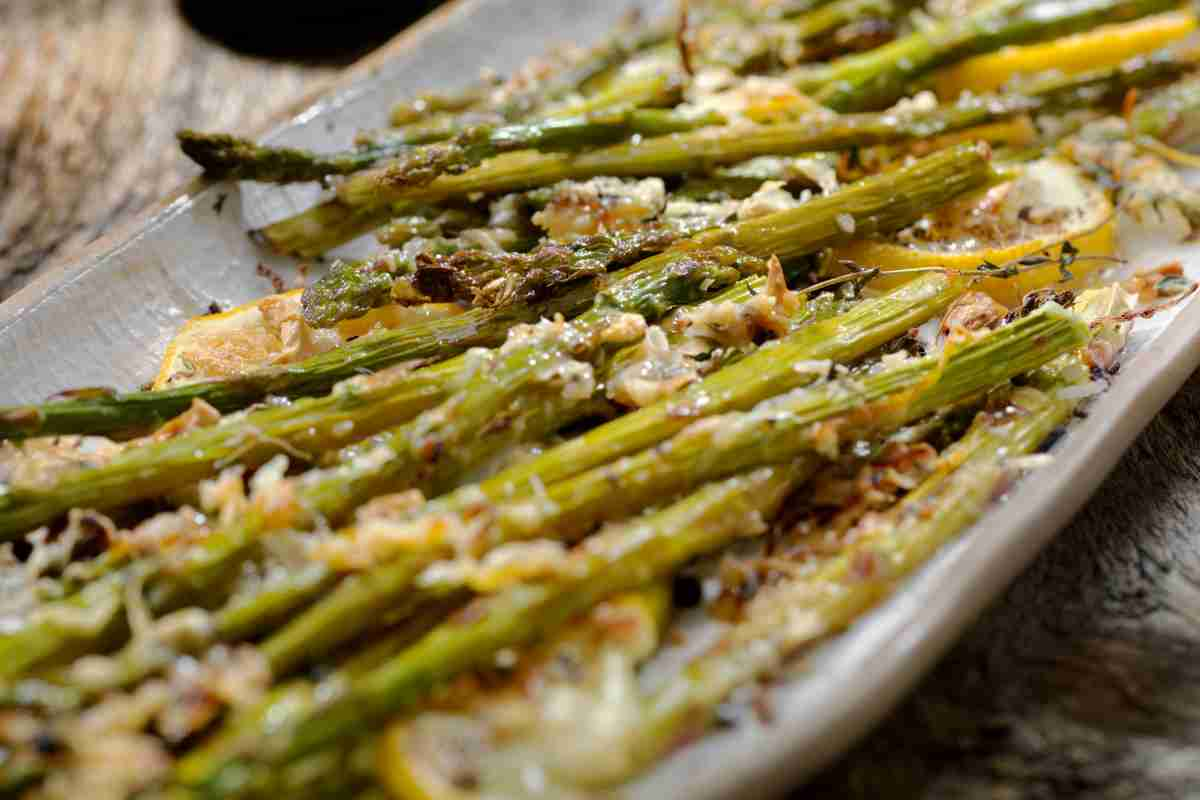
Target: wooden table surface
1084,681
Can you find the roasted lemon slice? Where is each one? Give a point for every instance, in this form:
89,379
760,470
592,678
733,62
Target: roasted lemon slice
1105,46
269,331
481,748
1048,203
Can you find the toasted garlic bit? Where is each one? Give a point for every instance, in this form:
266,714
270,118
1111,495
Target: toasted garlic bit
199,415
600,205
225,495
503,567
770,198
167,529
740,98
111,751
38,463
297,339
974,311
55,554
273,495
373,540
731,324
657,372
1105,308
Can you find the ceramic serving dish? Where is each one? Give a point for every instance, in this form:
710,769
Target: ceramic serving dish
102,317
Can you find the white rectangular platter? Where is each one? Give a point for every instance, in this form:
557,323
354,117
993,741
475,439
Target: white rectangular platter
103,316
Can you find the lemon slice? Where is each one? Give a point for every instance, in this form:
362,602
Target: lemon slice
1105,46
269,331
473,744
1049,202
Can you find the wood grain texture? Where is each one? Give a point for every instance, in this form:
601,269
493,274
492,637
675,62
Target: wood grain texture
1083,682
91,94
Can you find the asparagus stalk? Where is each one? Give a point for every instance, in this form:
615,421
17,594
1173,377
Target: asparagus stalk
676,154
880,77
487,402
350,290
239,760
422,165
877,204
784,618
652,288
430,451
848,336
327,225
239,757
765,373
701,150
551,95
466,424
360,598
318,424
367,198
761,52
569,507
423,105
807,422
490,280
134,413
226,157
306,428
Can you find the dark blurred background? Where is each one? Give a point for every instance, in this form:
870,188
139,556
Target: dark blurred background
337,31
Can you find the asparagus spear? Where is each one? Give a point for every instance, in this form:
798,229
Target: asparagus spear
871,205
350,290
880,77
359,599
325,226
652,288
134,413
240,757
239,761
366,197
318,424
844,338
485,405
867,326
550,95
700,150
487,402
778,430
762,52
675,154
421,106
431,450
355,409
877,204
785,617
403,680
584,500
226,157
